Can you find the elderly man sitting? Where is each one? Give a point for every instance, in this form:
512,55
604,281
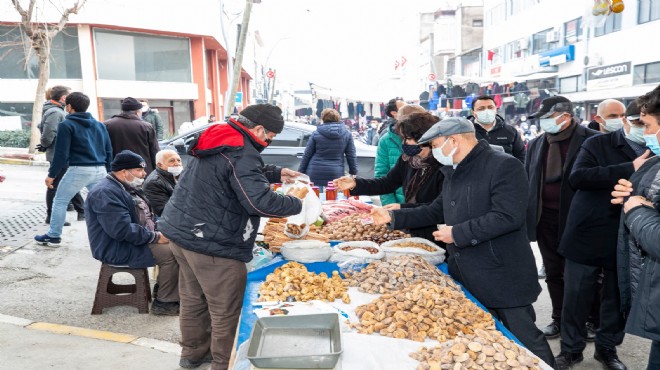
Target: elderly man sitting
159,185
122,230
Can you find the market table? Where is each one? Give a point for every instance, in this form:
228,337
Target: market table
379,352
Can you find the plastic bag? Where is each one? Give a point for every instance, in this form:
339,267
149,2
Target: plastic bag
306,251
435,257
357,252
297,226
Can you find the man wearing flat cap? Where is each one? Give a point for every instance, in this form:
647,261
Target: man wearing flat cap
128,131
122,231
482,212
212,220
550,159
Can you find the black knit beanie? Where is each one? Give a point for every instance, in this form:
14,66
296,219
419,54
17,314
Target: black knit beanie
267,115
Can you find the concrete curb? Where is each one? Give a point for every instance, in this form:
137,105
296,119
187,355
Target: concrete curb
23,162
159,345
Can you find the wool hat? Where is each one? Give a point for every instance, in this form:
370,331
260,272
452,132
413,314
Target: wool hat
130,104
551,105
267,115
446,127
126,160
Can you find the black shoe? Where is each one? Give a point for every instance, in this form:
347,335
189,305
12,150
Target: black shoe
541,272
191,364
591,332
164,308
608,357
566,359
552,330
81,216
70,208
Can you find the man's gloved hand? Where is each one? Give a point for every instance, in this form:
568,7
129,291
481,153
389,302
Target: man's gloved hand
41,148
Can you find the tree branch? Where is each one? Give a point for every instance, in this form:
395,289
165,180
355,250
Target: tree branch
65,17
26,15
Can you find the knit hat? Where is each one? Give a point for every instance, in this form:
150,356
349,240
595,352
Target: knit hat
126,160
266,115
130,104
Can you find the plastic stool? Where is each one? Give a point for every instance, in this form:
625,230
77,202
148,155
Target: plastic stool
109,294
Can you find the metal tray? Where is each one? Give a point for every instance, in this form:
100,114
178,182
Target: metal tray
296,342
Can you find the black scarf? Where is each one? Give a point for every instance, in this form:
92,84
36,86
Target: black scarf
423,168
554,166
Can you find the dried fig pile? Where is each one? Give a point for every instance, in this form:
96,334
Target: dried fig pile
293,280
482,350
351,228
422,246
422,310
398,272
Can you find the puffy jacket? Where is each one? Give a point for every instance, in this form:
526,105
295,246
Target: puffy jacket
158,188
502,134
53,114
217,204
128,131
323,160
152,117
113,226
387,154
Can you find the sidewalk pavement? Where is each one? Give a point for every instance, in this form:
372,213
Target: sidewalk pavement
33,345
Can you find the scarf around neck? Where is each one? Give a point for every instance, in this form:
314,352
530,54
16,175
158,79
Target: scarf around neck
554,165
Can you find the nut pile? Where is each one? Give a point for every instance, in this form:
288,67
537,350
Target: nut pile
395,273
371,250
485,349
350,228
274,234
293,280
423,246
295,229
422,310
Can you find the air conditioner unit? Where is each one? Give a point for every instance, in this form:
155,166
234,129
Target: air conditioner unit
552,36
523,44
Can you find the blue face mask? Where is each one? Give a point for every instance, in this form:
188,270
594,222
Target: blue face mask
550,125
411,150
636,135
652,143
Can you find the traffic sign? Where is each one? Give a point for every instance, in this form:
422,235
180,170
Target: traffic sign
270,74
431,76
239,97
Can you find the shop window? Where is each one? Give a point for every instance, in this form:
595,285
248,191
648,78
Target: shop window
23,110
477,23
573,31
646,73
64,55
569,84
612,24
649,10
138,57
539,41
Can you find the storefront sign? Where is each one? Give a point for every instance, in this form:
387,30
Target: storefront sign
611,76
557,56
495,71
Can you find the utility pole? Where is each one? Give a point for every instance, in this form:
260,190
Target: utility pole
272,87
238,61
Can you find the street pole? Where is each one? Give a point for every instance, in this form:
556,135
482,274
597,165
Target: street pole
272,88
238,61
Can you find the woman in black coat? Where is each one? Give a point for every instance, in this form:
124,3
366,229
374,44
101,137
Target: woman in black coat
326,149
416,171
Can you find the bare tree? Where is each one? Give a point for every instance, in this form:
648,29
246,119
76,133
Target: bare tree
41,35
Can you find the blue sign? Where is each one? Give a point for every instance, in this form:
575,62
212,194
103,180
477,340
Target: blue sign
557,56
239,97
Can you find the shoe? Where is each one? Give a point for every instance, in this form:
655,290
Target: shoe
81,216
552,330
48,240
566,359
608,357
70,208
591,332
541,272
191,364
164,308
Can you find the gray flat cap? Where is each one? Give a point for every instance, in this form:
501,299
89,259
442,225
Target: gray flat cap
446,127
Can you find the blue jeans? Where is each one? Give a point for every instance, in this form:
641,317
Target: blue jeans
76,178
654,356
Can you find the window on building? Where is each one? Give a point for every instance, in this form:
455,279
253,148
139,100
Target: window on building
477,23
539,41
646,73
23,110
139,57
612,24
573,31
495,15
569,84
649,10
513,7
498,55
514,51
64,55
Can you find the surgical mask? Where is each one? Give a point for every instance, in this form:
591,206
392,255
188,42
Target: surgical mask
652,143
136,182
636,134
613,124
550,125
411,150
445,160
144,109
486,117
176,170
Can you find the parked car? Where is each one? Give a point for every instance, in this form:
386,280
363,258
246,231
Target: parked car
286,150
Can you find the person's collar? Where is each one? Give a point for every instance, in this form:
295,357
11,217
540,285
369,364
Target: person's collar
165,174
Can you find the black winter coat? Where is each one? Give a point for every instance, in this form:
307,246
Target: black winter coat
216,206
503,135
128,131
591,231
484,203
534,167
158,188
399,176
326,149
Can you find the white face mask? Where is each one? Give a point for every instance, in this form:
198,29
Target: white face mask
136,182
613,124
636,135
550,125
144,108
176,170
445,160
486,117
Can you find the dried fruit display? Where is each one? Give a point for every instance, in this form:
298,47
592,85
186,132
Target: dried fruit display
396,273
422,246
351,228
274,234
368,249
293,281
481,350
422,310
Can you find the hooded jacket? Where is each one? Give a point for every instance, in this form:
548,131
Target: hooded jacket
216,206
387,155
326,149
81,141
501,134
128,131
53,114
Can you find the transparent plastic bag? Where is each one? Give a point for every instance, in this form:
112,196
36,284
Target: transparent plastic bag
358,253
306,251
435,257
297,226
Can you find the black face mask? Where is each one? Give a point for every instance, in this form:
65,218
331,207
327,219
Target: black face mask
268,141
411,150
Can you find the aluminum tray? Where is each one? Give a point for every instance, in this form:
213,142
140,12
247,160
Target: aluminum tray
296,342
